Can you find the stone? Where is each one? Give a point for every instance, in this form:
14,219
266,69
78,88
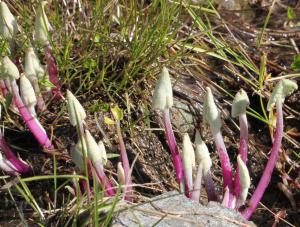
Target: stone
175,210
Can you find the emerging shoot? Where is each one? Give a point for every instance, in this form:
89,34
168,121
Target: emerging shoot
204,164
188,156
212,117
239,106
283,88
163,101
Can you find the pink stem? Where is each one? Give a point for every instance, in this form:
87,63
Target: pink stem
243,151
53,72
176,159
225,165
225,162
20,166
266,177
32,123
109,190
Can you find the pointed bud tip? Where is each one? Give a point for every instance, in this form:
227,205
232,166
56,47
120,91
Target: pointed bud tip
240,103
211,113
163,94
243,174
75,109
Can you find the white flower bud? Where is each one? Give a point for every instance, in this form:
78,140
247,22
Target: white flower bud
211,113
188,148
240,103
163,94
121,174
9,69
93,151
77,151
75,108
33,68
188,156
42,25
27,92
8,23
284,88
244,180
102,152
202,154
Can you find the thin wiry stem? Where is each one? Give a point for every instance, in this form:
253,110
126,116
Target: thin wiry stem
225,165
176,159
266,177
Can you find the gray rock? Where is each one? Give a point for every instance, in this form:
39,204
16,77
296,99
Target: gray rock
175,210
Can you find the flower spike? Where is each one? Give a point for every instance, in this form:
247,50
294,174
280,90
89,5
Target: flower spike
188,154
163,94
212,117
74,107
244,180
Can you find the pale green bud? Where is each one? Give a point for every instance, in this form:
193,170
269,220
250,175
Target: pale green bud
211,113
202,154
93,150
9,69
27,92
8,23
42,25
121,174
75,108
284,88
102,152
243,173
77,151
240,103
33,68
163,94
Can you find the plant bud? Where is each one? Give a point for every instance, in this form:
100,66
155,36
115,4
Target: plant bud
77,151
75,109
202,154
240,103
9,69
93,150
244,180
121,174
284,88
188,157
33,68
27,92
211,113
42,25
163,94
8,23
102,152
